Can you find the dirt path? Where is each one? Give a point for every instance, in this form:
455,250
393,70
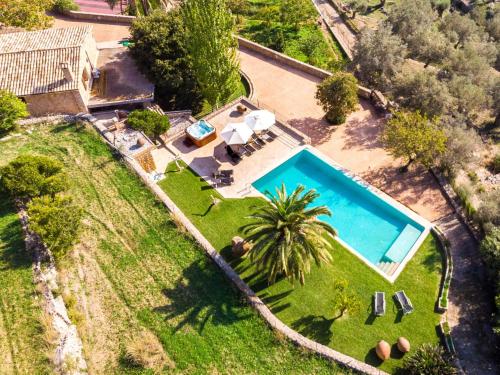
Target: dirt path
469,305
344,35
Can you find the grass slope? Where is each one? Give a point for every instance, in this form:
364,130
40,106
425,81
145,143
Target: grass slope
308,309
134,271
22,349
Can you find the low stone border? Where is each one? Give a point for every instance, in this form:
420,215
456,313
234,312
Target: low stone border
250,84
453,199
90,16
442,302
252,298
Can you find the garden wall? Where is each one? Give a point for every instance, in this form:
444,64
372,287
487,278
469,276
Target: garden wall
89,16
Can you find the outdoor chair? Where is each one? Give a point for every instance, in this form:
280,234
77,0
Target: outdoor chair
258,140
221,184
255,145
379,303
227,172
249,148
269,136
233,155
404,302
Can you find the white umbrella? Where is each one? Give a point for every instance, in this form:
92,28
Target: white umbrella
260,120
236,133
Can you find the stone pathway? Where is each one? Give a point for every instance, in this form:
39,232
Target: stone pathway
344,35
469,304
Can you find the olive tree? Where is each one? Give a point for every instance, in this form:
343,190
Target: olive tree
462,147
378,55
423,91
28,14
414,137
11,109
338,95
212,45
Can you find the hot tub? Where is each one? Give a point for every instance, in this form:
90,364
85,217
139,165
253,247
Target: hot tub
201,133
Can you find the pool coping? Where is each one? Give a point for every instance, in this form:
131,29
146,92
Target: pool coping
427,225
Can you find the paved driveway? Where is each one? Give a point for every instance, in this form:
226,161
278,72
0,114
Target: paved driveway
355,145
102,31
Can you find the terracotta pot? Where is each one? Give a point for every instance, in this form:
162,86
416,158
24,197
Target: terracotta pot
383,350
403,345
239,246
141,142
241,109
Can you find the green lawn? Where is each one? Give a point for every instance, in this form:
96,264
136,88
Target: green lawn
308,309
307,43
22,347
133,271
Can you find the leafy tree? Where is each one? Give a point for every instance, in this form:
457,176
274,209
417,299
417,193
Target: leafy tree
211,43
471,63
29,176
63,6
27,14
378,55
287,235
344,300
414,137
57,220
338,95
460,29
151,123
410,17
423,91
356,6
430,47
160,52
296,12
469,97
440,6
428,359
11,109
462,146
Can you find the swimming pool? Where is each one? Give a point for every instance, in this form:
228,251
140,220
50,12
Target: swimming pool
377,229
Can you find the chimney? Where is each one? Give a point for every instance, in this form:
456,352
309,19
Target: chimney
68,75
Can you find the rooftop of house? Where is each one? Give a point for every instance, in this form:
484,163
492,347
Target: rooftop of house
37,62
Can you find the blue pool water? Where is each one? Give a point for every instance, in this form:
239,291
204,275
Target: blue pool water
375,229
200,129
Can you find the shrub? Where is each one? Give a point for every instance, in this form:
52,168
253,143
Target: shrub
63,6
151,123
489,210
30,176
147,352
344,300
462,145
494,165
490,253
338,95
57,220
429,359
11,109
464,195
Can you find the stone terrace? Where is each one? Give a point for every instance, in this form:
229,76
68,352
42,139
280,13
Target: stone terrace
211,157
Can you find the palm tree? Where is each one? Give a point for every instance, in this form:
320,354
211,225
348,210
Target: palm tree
287,236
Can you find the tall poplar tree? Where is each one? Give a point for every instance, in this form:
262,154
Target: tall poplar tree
212,46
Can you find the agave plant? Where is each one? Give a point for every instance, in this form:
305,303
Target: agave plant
429,359
287,236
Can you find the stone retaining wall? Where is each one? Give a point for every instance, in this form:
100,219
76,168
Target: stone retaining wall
89,16
453,199
447,271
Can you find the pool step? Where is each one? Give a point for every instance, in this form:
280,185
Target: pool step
388,267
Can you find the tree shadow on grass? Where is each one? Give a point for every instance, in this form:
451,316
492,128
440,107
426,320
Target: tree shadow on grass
12,248
433,261
201,295
317,328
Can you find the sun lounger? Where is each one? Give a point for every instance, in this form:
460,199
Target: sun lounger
227,172
254,144
404,302
221,184
249,148
379,303
233,155
271,134
258,140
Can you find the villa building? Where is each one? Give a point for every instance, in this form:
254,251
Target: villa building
51,70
